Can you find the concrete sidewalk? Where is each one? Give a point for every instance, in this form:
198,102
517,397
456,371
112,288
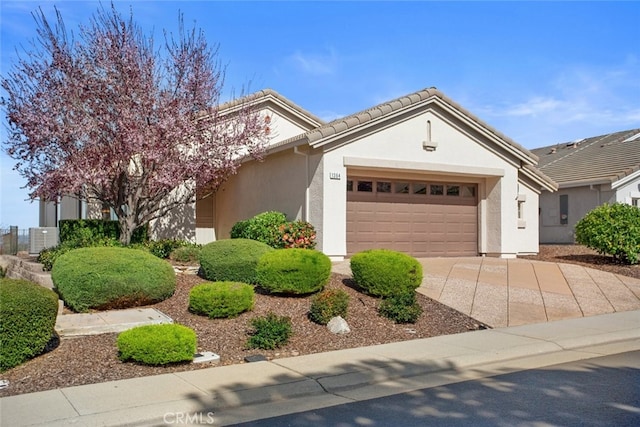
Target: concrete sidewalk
241,393
511,292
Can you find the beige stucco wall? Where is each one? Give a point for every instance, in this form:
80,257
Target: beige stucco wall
581,201
283,125
278,183
527,228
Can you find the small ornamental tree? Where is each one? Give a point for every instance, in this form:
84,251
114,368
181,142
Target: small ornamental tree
112,118
612,229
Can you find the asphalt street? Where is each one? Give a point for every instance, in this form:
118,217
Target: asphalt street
603,391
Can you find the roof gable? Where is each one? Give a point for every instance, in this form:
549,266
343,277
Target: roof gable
596,160
269,97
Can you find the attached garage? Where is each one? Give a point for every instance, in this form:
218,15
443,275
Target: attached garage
418,174
421,218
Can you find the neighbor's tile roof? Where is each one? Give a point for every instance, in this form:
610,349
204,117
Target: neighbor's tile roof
599,159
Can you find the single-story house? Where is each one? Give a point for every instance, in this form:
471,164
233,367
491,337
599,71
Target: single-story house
589,172
418,174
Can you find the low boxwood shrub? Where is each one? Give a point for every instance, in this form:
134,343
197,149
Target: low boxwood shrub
401,307
232,260
293,271
263,227
329,304
157,344
111,277
48,256
221,299
27,319
612,229
269,332
383,272
189,253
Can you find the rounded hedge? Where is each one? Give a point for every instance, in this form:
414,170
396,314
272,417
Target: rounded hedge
111,277
383,272
221,299
612,229
232,260
27,319
293,271
157,344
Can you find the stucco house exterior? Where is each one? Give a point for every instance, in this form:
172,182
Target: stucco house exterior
589,172
418,174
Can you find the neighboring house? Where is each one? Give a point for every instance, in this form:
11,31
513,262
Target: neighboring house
589,172
418,174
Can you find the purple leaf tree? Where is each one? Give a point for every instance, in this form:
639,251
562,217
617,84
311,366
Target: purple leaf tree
111,118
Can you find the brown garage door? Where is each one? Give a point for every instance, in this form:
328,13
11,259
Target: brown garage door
419,218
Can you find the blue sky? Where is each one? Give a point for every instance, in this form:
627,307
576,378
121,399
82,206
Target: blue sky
540,72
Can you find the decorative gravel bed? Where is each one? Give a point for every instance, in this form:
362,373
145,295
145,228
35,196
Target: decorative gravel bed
92,359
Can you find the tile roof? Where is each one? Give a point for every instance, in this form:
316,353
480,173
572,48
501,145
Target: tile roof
600,159
270,94
346,125
316,137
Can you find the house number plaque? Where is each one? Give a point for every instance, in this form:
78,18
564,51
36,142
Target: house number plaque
334,175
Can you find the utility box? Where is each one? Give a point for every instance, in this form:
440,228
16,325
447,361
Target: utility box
41,238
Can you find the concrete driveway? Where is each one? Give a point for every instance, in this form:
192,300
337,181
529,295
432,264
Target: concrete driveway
511,292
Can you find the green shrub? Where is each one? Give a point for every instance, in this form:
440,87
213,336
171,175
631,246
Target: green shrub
262,227
162,248
232,260
111,277
47,257
157,344
27,319
188,253
293,271
269,332
221,299
401,307
612,230
297,234
382,272
329,304
87,230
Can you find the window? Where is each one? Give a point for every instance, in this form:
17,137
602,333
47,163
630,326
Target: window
453,190
468,191
564,209
436,190
635,201
365,186
383,187
419,188
402,187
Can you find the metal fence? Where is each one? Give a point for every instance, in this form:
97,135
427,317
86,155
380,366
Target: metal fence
13,240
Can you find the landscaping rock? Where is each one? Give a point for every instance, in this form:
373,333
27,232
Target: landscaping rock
338,325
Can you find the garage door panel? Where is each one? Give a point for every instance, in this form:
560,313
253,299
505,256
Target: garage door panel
414,224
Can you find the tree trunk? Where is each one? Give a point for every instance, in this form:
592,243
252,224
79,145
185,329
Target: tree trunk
127,225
